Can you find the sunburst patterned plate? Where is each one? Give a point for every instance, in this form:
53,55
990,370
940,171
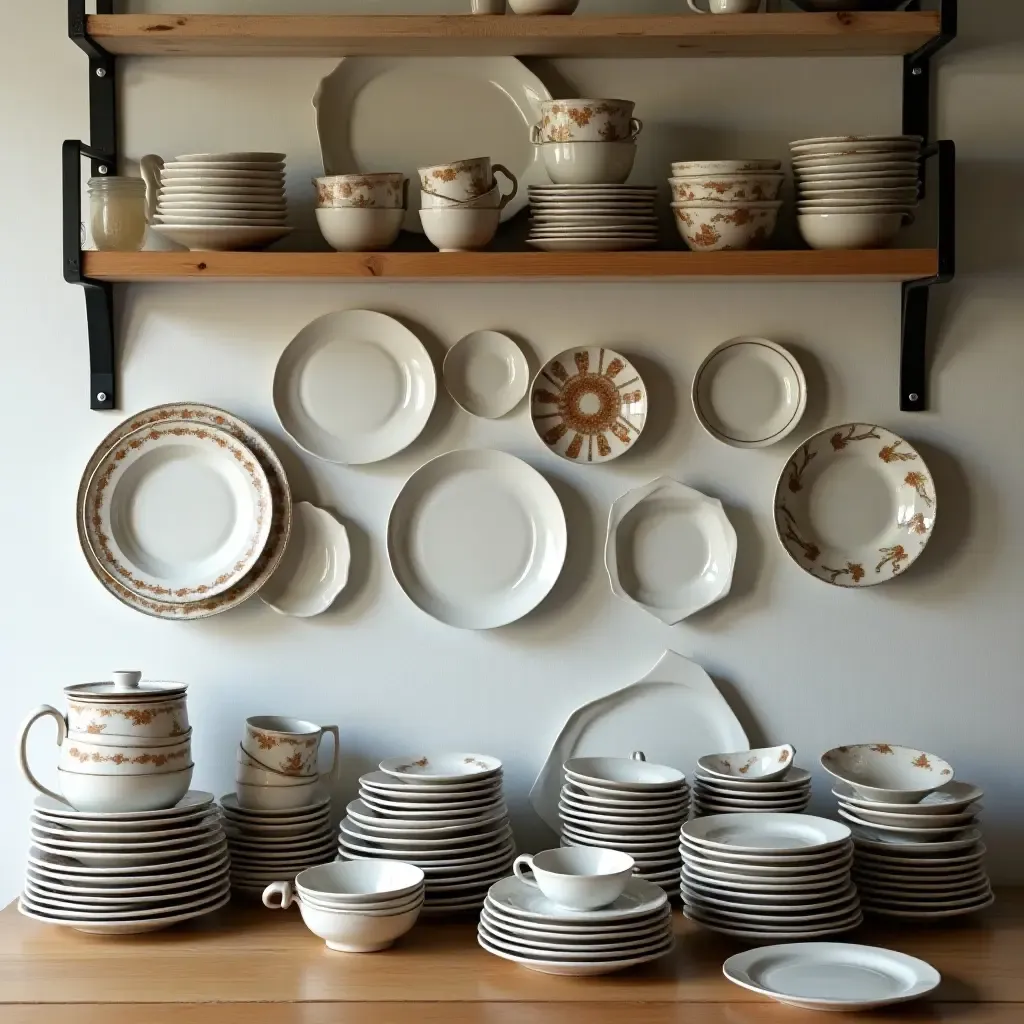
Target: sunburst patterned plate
589,405
855,505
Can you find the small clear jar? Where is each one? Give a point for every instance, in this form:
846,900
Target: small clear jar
117,216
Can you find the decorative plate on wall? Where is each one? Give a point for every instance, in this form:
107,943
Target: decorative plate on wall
855,505
588,405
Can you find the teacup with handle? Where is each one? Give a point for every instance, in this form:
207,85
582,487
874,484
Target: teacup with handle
466,181
579,878
290,746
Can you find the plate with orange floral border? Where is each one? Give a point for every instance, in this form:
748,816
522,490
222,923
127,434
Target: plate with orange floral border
588,405
855,505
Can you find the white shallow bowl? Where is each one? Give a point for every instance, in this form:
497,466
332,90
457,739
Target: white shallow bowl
766,764
107,794
777,833
951,798
887,772
359,229
441,769
623,773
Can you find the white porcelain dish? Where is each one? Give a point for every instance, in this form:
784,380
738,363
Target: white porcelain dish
610,243
214,238
919,835
952,798
766,764
573,969
486,374
751,933
229,802
632,774
524,902
886,771
477,539
908,820
892,842
796,780
777,832
454,778
374,823
123,926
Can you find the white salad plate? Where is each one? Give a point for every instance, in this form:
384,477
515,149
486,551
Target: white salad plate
573,936
652,804
195,803
780,833
355,839
749,393
887,840
486,374
779,869
796,780
477,538
527,903
219,193
744,930
916,835
674,714
153,921
376,113
855,505
437,827
573,969
229,803
893,860
762,858
406,809
952,798
232,205
220,238
178,512
572,954
314,569
669,549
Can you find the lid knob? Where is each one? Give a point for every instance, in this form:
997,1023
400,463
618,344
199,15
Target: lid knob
127,680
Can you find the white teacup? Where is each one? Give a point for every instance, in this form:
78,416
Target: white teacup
463,180
727,6
580,877
288,745
493,200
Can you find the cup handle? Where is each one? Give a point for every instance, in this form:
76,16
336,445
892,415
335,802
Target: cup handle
636,126
283,889
509,196
693,7
45,711
520,872
151,165
536,135
335,769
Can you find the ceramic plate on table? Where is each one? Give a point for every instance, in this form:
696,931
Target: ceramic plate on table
855,505
230,803
403,113
777,832
354,387
899,845
796,779
768,933
486,374
477,538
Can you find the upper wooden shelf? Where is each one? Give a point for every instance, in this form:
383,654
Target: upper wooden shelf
751,35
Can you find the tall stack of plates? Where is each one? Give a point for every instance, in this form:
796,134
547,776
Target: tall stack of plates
122,873
519,923
592,218
200,547
922,861
769,877
273,846
630,805
446,814
716,794
221,201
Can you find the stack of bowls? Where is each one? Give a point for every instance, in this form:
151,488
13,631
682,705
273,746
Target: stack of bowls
587,142
763,780
769,877
361,212
462,202
445,813
125,746
855,192
726,204
592,218
626,804
356,907
121,873
918,854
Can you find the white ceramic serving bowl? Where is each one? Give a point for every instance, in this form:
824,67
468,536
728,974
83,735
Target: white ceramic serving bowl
86,754
766,764
276,798
543,6
711,227
368,882
140,719
355,229
105,794
578,878
833,230
686,168
624,773
588,163
460,230
886,772
727,188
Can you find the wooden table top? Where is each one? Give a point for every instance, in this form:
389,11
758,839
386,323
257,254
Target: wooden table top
249,965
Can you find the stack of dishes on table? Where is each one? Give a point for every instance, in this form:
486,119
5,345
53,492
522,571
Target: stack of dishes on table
200,547
218,201
125,872
918,854
855,192
444,813
592,218
763,780
769,876
627,804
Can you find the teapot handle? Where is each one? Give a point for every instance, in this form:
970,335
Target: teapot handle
45,711
150,166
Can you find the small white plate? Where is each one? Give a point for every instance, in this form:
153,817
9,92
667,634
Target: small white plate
124,926
709,805
619,244
440,769
525,902
882,910
741,903
600,942
573,969
818,878
486,374
394,785
573,933
573,954
230,804
194,802
778,870
486,834
909,846
919,865
898,887
390,808
932,902
794,781
779,833
921,835
415,828
952,798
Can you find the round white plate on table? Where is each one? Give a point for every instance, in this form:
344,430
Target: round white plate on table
486,374
354,387
477,538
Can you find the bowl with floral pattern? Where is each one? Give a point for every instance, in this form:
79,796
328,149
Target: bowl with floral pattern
718,227
885,772
766,764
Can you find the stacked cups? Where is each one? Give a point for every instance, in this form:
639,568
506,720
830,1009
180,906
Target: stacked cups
462,202
587,142
361,212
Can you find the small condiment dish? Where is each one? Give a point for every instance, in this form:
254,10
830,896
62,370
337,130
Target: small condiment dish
886,772
766,764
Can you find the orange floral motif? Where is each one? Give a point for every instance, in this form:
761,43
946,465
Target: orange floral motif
797,469
743,769
840,440
919,482
94,728
882,748
784,757
890,454
475,762
852,569
916,524
266,742
706,237
292,764
921,761
445,173
945,771
423,762
156,760
811,551
896,555
575,447
581,115
604,449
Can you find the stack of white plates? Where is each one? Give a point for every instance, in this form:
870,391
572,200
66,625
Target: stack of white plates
222,201
592,218
274,846
714,794
519,923
920,861
121,873
629,805
446,814
769,876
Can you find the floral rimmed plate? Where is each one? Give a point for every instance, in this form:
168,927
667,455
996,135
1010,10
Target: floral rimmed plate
588,405
855,505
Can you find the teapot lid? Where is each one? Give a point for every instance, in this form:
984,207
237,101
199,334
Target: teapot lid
126,686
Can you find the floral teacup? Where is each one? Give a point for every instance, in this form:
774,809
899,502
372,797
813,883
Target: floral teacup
586,121
463,180
382,191
287,745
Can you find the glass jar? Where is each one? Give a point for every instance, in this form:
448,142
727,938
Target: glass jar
117,213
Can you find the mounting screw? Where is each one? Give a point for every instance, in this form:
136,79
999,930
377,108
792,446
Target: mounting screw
102,72
102,168
913,396
917,71
101,397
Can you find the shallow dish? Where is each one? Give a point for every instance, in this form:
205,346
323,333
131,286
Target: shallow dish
951,798
419,786
766,764
486,374
154,921
887,772
633,774
796,781
222,239
892,842
780,833
573,969
908,820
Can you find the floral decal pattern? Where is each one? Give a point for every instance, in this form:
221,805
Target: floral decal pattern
568,121
153,760
298,759
727,230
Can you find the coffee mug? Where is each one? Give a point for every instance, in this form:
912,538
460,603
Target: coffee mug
288,745
463,180
727,6
578,877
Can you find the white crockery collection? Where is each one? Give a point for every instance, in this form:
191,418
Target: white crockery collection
592,218
764,781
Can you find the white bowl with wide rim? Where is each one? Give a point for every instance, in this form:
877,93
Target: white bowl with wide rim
887,772
627,773
766,764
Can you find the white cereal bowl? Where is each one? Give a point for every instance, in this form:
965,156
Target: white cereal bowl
460,230
849,230
726,188
766,764
367,882
106,794
717,227
886,772
276,798
588,163
359,229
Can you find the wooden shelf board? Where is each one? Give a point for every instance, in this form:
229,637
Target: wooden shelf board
754,35
864,265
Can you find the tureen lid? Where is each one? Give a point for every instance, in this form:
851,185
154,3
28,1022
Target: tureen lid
126,686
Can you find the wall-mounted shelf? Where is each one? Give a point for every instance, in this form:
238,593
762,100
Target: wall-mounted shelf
739,35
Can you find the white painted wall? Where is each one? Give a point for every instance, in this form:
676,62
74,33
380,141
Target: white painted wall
932,659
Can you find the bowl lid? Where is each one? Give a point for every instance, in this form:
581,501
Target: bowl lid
126,686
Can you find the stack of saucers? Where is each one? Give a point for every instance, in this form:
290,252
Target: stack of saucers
445,813
592,218
221,201
769,877
267,846
764,780
122,873
627,804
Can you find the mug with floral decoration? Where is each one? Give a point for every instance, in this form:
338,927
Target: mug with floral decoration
464,180
288,745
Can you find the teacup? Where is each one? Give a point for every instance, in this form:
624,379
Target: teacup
727,6
579,878
384,191
276,798
462,180
495,199
106,794
586,121
288,745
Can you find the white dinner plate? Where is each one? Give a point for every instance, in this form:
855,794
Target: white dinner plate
779,869
439,826
780,833
891,841
132,926
404,809
745,803
749,393
813,879
393,787
907,820
354,387
257,195
918,914
573,969
743,903
477,538
195,802
573,954
486,374
952,798
229,802
218,238
919,864
796,780
763,859
919,835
